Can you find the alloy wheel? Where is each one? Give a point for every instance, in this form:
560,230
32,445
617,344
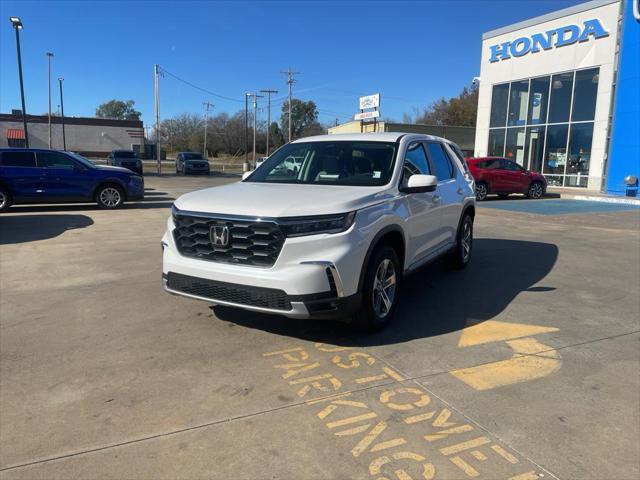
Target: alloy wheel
481,191
110,197
384,288
3,199
535,190
466,240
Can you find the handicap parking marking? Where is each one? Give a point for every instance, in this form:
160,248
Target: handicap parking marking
393,425
557,206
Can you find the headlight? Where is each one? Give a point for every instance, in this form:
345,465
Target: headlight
299,226
174,214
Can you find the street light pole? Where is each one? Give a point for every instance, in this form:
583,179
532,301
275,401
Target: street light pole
17,25
49,55
64,138
268,92
157,85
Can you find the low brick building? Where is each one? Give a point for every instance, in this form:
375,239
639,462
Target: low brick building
93,137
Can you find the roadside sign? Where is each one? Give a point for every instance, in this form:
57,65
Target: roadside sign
365,115
370,101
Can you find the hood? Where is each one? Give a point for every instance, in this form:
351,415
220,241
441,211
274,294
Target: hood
113,169
280,200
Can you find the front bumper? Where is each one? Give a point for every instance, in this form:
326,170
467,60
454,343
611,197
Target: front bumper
326,306
195,169
314,276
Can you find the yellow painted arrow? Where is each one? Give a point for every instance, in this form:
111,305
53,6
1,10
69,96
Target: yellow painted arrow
494,331
531,360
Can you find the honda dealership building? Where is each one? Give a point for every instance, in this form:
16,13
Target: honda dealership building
560,94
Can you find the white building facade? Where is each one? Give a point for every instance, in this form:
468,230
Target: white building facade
547,93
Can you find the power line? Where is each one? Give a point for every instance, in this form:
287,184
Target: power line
164,70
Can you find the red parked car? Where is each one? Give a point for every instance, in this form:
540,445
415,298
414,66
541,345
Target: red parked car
503,176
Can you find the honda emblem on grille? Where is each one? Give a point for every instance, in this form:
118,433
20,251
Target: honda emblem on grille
219,235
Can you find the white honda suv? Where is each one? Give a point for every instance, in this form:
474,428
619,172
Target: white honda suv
328,236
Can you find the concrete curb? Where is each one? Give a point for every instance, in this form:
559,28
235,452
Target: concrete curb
619,201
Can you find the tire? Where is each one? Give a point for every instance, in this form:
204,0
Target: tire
109,196
535,191
376,312
482,190
461,255
5,199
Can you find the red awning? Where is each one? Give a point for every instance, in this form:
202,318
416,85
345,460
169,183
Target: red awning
15,134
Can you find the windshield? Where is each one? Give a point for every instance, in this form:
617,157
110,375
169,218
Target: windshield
125,154
192,156
356,163
85,161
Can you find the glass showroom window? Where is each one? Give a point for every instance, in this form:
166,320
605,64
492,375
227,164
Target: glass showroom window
518,101
580,138
549,124
496,142
534,148
514,146
561,87
584,96
538,101
555,157
499,101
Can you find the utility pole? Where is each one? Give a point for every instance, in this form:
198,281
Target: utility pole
206,105
255,116
49,55
290,81
246,129
64,138
17,25
157,84
268,92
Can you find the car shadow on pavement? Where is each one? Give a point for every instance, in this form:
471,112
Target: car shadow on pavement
435,300
164,202
29,228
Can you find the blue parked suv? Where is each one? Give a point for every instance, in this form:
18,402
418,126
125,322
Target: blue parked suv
49,176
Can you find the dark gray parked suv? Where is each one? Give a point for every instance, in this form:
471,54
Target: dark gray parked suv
125,158
191,162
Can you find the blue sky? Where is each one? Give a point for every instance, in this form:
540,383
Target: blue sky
411,52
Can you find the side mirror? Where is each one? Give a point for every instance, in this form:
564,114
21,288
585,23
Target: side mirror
79,168
246,174
420,183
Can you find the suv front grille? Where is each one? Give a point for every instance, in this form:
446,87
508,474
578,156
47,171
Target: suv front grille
229,292
250,242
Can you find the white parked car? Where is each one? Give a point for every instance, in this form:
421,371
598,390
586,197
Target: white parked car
260,161
331,238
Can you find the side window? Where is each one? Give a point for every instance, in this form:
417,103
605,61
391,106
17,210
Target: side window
509,165
55,160
415,162
459,155
17,159
440,161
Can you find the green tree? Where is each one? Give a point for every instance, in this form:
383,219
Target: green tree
459,111
304,119
118,110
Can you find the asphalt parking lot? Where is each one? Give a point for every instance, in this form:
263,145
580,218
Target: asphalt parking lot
523,366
